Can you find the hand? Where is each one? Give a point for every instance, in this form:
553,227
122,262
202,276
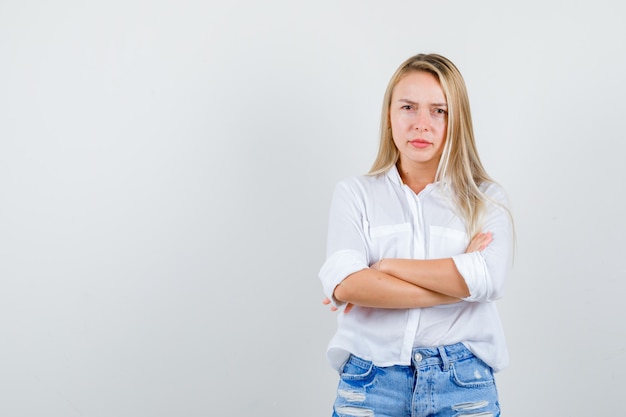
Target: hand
479,242
349,306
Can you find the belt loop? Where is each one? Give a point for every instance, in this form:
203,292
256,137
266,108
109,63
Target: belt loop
444,358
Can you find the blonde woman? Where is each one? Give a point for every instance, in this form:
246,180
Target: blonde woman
418,252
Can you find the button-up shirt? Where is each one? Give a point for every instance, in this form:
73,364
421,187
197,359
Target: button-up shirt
376,217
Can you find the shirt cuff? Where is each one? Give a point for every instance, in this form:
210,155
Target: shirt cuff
336,268
473,268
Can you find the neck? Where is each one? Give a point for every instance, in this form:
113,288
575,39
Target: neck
416,176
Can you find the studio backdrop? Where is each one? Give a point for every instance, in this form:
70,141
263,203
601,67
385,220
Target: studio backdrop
166,169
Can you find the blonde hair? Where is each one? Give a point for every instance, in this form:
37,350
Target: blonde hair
460,165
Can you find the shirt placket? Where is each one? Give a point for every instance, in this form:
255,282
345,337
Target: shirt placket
419,250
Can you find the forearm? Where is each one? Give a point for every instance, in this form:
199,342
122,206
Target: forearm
438,275
372,288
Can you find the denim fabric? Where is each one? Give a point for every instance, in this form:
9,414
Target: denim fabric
447,381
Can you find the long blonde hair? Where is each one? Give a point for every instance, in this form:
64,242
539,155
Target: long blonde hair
460,165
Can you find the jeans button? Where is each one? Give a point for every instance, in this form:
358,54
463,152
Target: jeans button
418,357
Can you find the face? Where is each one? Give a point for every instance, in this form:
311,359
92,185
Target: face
418,115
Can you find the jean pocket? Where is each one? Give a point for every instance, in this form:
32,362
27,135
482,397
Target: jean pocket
472,373
358,370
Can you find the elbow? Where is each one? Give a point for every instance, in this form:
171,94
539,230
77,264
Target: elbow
347,290
342,293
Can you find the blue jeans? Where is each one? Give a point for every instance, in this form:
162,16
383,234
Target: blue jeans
441,382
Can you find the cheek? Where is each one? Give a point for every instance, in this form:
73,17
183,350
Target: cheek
442,130
398,125
442,145
395,138
397,133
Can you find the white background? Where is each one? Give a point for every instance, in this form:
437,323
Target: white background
166,169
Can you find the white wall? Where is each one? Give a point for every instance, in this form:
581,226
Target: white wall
165,175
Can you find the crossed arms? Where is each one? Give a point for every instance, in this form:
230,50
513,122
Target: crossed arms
407,283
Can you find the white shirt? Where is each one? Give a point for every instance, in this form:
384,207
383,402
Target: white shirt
375,217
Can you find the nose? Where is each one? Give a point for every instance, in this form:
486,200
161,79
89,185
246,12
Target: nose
422,120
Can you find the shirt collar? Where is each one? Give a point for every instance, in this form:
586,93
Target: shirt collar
394,177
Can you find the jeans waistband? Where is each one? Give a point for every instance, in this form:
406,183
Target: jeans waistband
442,355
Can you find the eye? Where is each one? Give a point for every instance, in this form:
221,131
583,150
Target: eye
407,107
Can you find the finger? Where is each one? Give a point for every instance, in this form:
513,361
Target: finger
348,308
486,240
479,242
326,301
478,238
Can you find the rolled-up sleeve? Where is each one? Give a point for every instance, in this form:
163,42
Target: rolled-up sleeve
485,272
338,266
346,249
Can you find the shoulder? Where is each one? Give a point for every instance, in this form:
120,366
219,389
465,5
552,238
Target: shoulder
362,190
495,192
492,188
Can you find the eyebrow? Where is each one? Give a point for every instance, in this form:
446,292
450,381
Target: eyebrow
406,100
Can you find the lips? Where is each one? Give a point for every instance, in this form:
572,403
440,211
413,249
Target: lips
420,143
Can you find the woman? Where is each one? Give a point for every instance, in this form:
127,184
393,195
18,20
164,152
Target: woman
418,251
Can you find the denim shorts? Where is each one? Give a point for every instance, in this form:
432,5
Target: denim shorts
443,382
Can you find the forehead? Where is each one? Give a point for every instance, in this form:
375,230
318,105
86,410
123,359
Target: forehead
419,86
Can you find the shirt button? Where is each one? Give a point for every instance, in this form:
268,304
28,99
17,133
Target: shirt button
418,357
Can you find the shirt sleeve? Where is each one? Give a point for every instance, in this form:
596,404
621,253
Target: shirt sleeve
485,272
346,248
